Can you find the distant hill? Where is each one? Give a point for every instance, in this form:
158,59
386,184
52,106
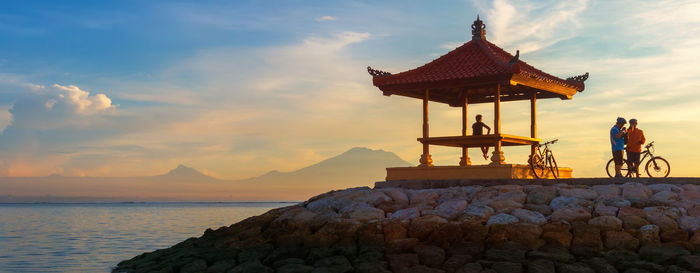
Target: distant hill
353,168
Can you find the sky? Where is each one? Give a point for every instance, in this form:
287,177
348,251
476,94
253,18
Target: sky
239,88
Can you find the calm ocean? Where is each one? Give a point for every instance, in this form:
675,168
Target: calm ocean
94,237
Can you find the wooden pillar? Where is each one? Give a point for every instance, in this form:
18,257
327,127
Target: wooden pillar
465,161
533,120
425,158
497,157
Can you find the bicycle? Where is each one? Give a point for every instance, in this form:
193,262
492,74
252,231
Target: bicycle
656,166
542,160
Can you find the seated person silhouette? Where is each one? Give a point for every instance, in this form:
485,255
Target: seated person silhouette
477,130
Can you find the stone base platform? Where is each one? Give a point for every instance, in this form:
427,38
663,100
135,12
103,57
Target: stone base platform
503,171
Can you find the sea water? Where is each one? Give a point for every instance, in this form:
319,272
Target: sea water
94,237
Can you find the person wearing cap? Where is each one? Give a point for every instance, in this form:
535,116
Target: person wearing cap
635,139
617,140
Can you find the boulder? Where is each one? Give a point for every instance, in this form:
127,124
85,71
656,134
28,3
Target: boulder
541,266
507,267
526,234
587,241
571,201
665,197
542,209
446,234
617,202
631,211
663,222
431,256
501,219
515,195
690,262
571,214
600,265
655,188
579,192
649,234
470,268
477,213
394,230
397,195
554,254
362,212
689,223
675,235
251,266
528,216
423,197
423,226
505,205
633,222
474,231
620,239
405,214
423,269
694,211
334,264
575,268
505,253
401,245
557,234
195,266
451,209
455,262
402,262
689,195
606,191
603,210
662,254
635,190
541,196
606,223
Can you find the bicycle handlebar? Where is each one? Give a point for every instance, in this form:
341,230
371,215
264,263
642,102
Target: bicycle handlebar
548,142
649,145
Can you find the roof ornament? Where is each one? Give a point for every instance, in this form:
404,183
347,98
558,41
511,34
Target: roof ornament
579,78
515,58
478,29
377,73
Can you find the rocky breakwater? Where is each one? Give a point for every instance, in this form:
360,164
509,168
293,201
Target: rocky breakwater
505,229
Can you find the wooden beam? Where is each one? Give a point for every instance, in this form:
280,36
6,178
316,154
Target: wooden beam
425,158
497,157
465,161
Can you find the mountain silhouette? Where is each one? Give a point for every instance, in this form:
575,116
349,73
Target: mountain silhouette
354,168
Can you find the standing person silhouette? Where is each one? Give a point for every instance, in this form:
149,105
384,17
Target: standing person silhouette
477,130
617,141
635,139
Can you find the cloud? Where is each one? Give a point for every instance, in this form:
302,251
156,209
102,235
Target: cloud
80,100
325,18
532,25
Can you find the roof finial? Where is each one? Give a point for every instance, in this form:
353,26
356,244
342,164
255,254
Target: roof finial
478,29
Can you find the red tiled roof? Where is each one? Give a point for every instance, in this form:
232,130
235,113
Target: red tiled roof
475,61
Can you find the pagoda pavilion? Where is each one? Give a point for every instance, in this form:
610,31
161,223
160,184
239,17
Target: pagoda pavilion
476,72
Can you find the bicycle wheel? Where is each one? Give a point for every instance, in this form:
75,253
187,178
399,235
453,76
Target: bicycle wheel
610,169
537,165
658,167
553,165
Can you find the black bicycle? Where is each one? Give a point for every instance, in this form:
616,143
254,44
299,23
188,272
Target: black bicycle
656,166
543,160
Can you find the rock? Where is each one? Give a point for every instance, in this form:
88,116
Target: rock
665,197
541,266
620,239
401,245
554,254
571,214
394,231
694,211
446,234
606,191
617,202
505,205
600,265
689,195
423,226
505,253
690,262
515,195
635,190
677,235
477,213
470,268
528,216
456,262
618,256
663,222
575,268
402,262
431,256
283,262
451,209
507,188
338,264
507,267
423,269
695,240
251,266
397,195
404,214
689,223
587,241
633,222
557,234
571,201
195,266
649,234
363,213
606,223
501,219
295,268
603,210
631,211
526,234
642,267
541,196
424,197
474,231
542,209
662,254
222,266
579,192
655,188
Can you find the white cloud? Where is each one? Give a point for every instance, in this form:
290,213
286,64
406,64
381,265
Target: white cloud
532,25
81,100
325,18
451,45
